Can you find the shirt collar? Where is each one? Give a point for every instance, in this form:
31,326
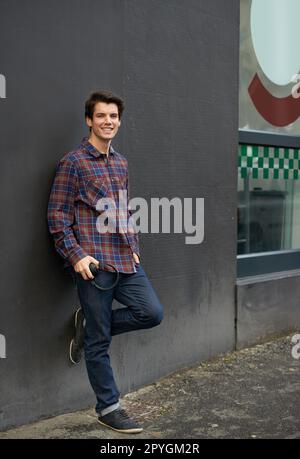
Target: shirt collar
92,150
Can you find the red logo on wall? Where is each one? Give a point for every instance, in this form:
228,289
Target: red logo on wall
274,31
277,111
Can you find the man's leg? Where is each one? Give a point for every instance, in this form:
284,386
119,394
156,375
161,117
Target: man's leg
144,309
77,342
97,309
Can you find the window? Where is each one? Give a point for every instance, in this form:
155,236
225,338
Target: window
269,149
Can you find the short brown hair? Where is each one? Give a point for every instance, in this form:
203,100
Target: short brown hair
102,96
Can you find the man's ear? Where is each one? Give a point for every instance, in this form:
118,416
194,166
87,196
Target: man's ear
88,121
119,122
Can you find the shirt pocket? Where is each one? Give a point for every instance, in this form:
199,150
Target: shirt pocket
119,182
94,190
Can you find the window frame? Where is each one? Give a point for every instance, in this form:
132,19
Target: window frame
254,264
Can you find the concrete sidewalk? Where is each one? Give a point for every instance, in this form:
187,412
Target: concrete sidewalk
253,393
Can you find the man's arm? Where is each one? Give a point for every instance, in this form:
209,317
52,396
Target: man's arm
61,212
61,219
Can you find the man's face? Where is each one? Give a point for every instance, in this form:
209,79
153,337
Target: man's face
105,122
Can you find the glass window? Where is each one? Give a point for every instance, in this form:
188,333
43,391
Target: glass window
268,199
270,66
269,176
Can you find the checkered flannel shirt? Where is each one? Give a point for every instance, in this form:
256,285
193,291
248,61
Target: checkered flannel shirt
82,178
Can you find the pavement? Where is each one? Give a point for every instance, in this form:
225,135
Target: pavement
252,393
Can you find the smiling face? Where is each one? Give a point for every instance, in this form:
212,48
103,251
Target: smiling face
105,123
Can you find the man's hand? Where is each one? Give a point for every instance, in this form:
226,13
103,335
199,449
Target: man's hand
136,258
82,267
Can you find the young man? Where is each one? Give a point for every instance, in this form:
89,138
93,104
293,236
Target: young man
84,177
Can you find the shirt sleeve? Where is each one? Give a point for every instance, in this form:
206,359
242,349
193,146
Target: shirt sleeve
61,212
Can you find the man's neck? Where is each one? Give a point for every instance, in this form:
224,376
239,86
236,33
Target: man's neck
100,145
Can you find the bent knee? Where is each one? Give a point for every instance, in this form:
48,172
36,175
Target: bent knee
156,317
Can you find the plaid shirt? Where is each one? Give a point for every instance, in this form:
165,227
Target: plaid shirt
82,178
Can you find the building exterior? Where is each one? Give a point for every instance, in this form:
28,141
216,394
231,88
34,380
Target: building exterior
268,180
176,64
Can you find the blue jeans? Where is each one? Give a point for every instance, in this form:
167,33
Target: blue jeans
143,311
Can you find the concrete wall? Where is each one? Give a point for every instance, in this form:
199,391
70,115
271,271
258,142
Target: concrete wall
266,308
176,64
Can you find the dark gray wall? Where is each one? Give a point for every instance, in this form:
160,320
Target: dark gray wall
176,64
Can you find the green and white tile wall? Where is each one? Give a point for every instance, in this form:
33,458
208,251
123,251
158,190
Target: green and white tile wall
269,162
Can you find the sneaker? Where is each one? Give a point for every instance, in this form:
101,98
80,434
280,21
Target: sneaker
119,421
76,345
